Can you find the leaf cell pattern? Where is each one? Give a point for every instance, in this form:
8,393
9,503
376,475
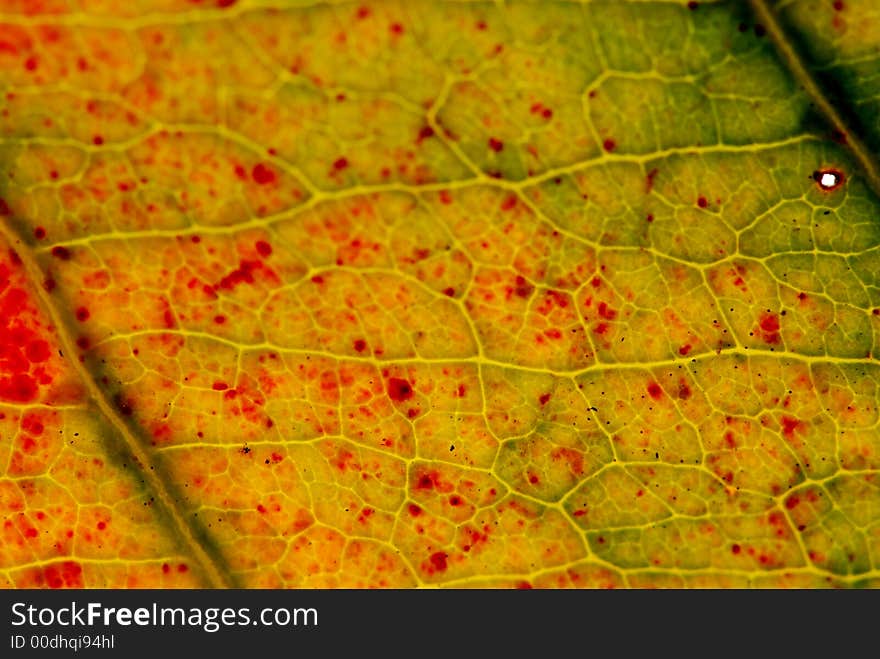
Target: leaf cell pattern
402,294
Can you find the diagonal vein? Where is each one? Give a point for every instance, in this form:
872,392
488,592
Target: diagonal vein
211,565
794,61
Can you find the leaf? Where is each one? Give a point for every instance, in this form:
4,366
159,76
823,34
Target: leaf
406,294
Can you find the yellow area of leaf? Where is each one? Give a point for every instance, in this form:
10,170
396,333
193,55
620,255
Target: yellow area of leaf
400,294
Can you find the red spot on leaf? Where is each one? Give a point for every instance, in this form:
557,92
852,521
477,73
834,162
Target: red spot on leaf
649,180
399,390
770,323
262,174
789,425
263,248
425,133
19,388
606,312
655,391
495,144
61,253
685,349
684,391
37,351
438,560
63,575
702,202
82,314
609,145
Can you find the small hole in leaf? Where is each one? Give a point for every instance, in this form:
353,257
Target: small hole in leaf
828,179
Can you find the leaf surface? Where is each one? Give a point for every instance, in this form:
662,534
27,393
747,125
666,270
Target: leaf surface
399,294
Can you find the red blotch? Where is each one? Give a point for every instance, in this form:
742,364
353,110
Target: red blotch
789,425
396,28
30,64
685,349
39,233
428,481
82,314
262,174
655,391
838,5
19,388
220,386
606,312
340,163
609,145
736,549
219,320
97,140
693,5
449,292
649,181
61,253
425,133
32,424
770,323
222,4
414,510
399,390
64,575
684,391
363,12
438,560
243,274
544,398
263,248
495,144
792,502
37,351
509,202
123,405
702,202
360,345
523,288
